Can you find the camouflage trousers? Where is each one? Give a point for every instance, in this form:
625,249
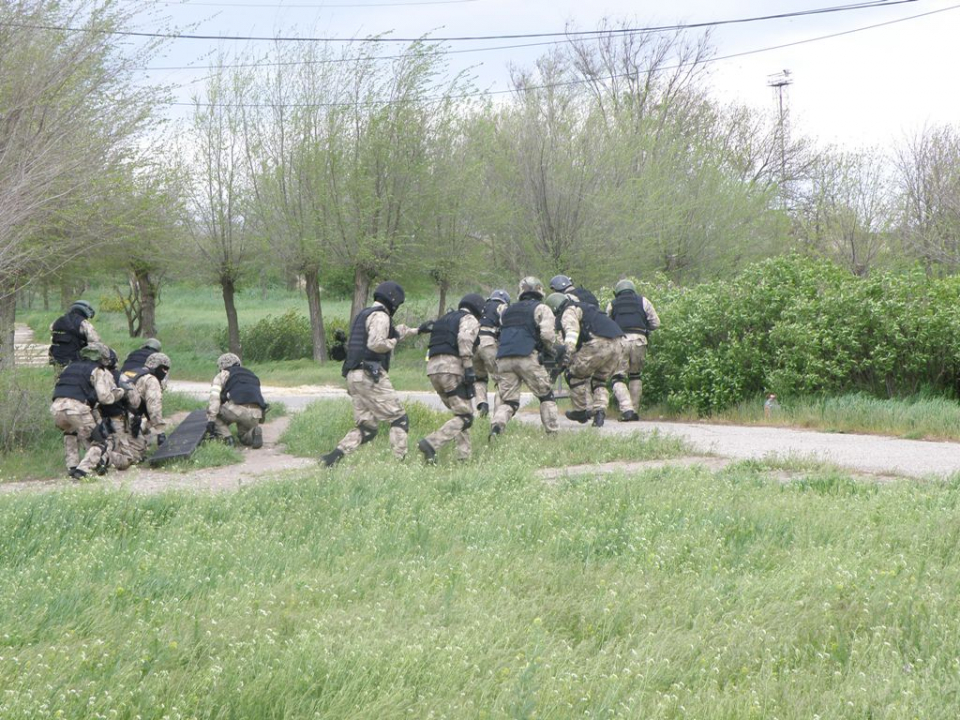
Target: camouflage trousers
458,427
634,356
485,365
120,449
374,403
514,371
590,368
246,417
76,421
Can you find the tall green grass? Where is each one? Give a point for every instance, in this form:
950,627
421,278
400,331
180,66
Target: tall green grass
918,418
389,590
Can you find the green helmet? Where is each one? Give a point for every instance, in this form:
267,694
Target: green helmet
153,344
531,284
96,352
555,301
623,286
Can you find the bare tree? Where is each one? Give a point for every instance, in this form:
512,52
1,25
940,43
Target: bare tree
928,180
69,110
216,187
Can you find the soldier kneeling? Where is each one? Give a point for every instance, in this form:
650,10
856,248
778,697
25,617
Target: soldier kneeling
235,397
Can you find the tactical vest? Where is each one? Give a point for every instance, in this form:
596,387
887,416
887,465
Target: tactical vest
519,332
443,337
136,359
490,319
74,382
628,313
594,324
585,296
242,388
357,350
67,338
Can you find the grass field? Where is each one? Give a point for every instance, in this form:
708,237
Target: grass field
386,590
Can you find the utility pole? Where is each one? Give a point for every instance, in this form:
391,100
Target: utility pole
779,81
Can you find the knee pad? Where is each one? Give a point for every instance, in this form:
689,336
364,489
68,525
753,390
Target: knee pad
618,379
467,421
576,382
549,397
596,384
402,422
366,433
514,405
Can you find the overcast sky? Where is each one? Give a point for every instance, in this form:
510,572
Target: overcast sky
862,88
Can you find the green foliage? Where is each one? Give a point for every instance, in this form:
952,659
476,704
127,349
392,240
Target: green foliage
284,337
799,326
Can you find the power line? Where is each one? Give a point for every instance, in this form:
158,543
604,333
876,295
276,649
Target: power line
570,83
466,38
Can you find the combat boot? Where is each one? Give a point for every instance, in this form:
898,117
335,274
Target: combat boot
495,432
580,416
257,438
429,454
77,474
332,457
482,409
629,416
598,417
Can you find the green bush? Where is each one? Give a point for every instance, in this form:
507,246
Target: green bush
285,337
802,326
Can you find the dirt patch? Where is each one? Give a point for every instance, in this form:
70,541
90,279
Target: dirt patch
257,466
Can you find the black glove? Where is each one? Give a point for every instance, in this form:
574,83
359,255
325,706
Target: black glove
161,439
425,327
338,352
469,376
212,428
560,356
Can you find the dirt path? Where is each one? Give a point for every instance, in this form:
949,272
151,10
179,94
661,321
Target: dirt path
872,457
27,351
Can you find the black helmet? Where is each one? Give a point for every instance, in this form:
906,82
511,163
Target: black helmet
472,303
84,308
390,294
559,283
501,295
113,359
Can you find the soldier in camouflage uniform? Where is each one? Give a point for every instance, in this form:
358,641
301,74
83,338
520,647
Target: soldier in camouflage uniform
129,442
70,333
488,340
138,357
637,317
594,345
527,328
373,336
235,397
450,369
81,385
563,284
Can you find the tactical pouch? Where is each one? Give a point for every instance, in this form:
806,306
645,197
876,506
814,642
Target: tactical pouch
374,368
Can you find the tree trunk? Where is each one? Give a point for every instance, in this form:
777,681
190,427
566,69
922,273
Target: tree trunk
8,316
149,288
233,326
66,294
46,296
443,300
312,286
361,290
